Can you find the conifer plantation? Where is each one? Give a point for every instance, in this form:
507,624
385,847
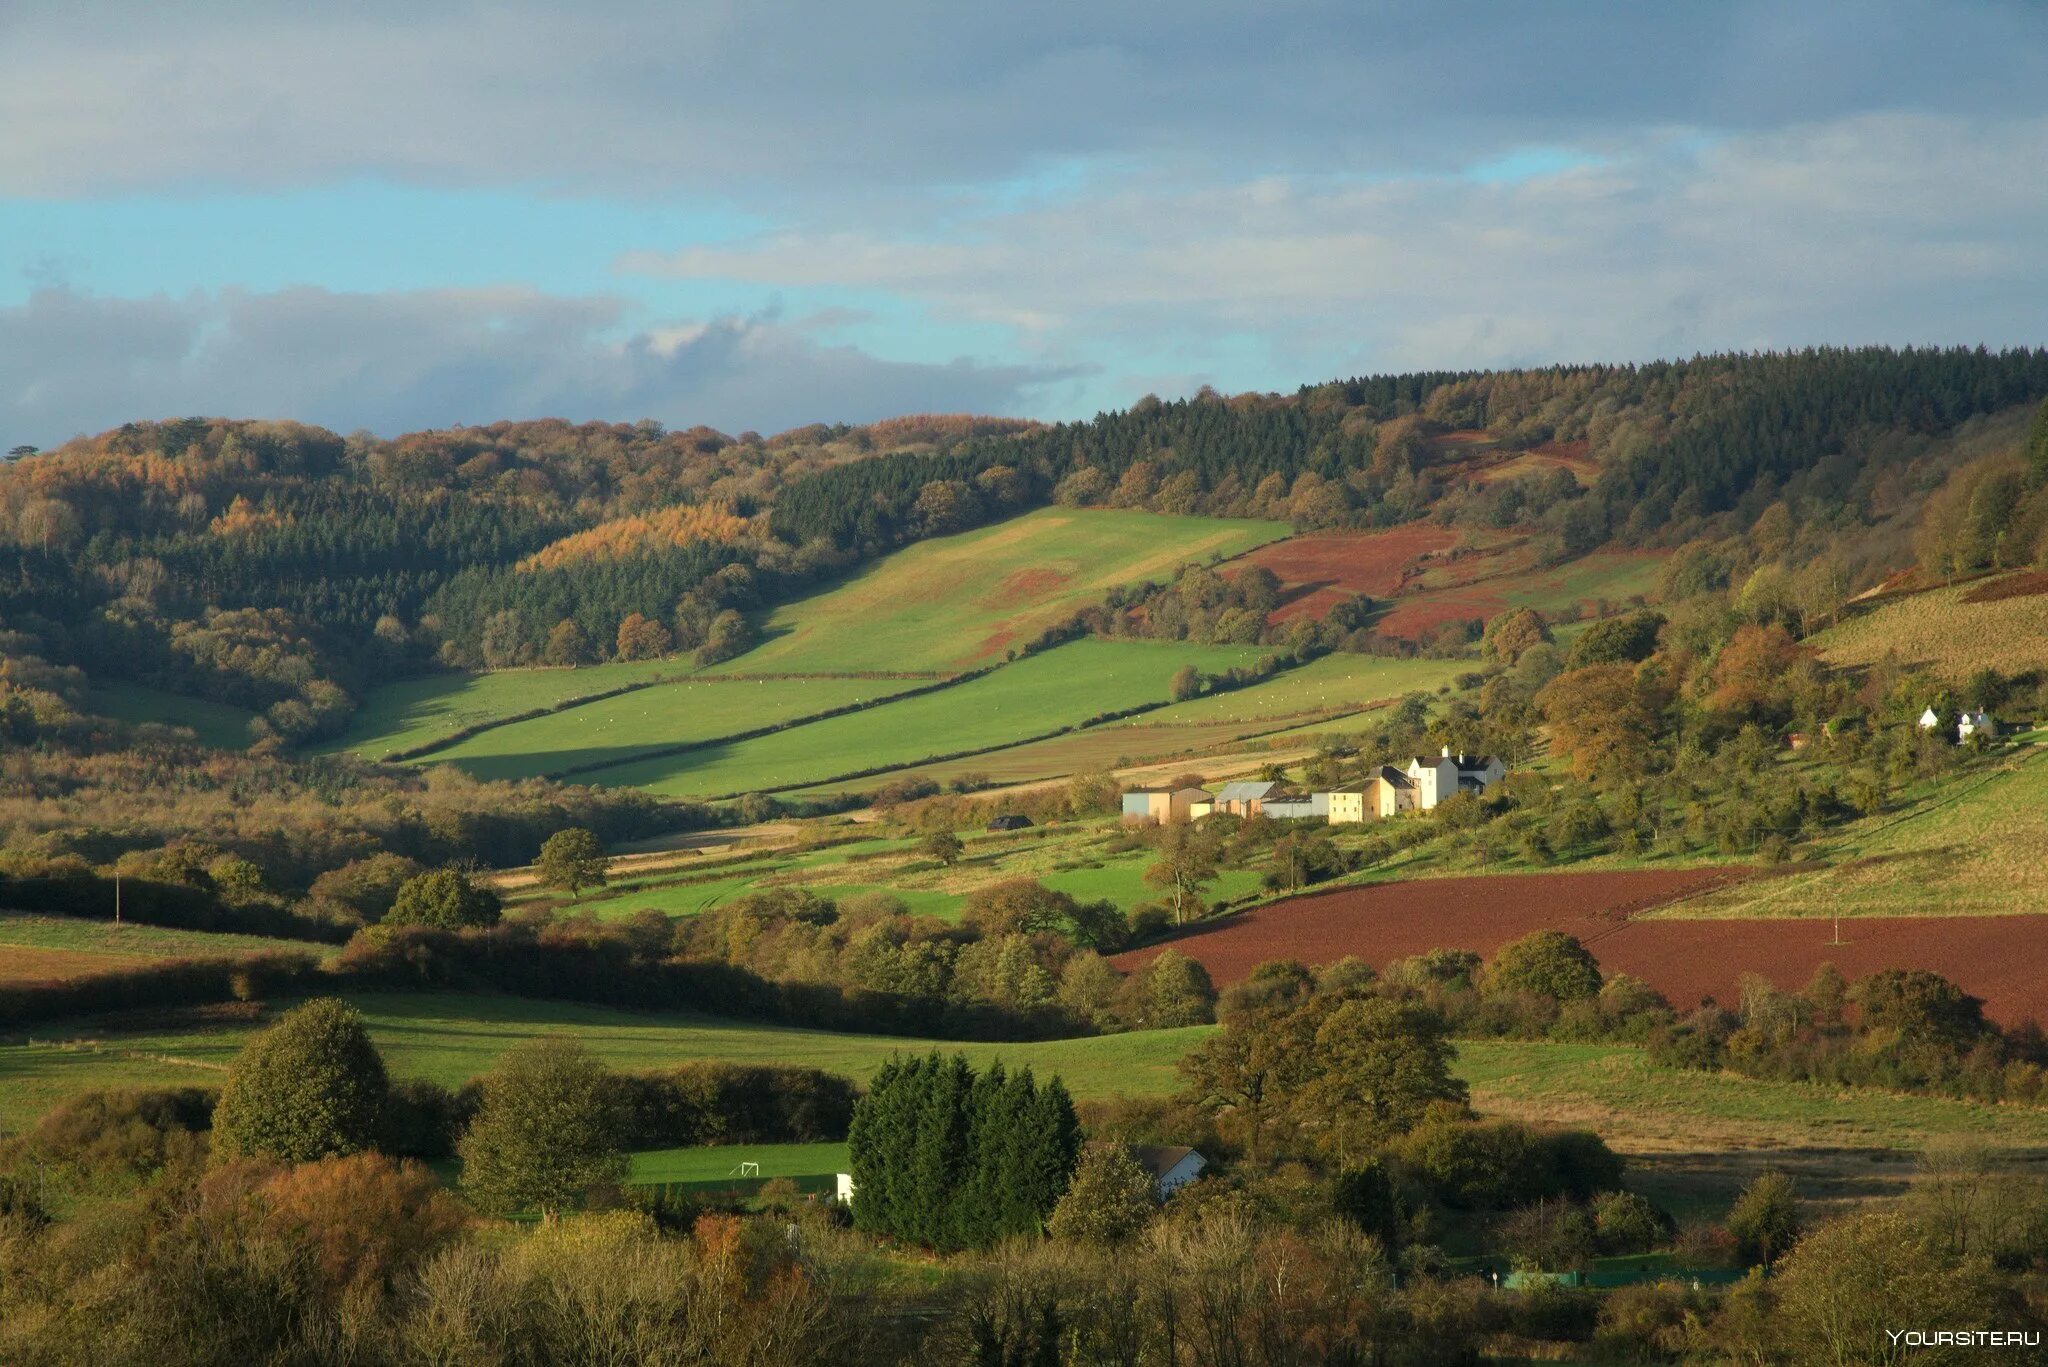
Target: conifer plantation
950,1158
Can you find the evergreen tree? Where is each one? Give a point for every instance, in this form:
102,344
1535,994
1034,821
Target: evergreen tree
949,1159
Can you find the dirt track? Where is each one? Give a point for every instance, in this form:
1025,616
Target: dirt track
2003,959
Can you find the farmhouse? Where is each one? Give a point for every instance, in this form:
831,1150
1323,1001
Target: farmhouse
1172,1166
1446,776
1242,799
1978,723
1930,720
1162,805
1387,793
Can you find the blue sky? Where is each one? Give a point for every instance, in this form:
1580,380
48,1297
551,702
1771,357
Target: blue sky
391,215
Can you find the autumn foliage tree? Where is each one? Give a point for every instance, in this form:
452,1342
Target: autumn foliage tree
1601,718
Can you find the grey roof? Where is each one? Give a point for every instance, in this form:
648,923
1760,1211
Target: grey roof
1159,1159
1244,792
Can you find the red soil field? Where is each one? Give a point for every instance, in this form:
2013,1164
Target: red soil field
1322,570
1998,958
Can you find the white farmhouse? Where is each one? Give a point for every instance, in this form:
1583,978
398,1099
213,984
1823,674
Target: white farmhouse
1446,775
1978,723
1930,720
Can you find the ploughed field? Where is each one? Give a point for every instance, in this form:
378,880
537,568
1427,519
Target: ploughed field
1998,958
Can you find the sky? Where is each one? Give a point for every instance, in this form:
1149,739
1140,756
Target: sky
755,214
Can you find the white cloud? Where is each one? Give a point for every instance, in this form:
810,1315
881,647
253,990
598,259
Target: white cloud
398,361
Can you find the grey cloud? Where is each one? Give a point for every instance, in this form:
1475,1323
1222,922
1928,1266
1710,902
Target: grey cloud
1895,227
392,362
806,98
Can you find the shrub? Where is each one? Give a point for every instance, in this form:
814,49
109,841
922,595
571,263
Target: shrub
1765,1219
1109,1199
547,1131
1545,963
311,1086
1624,1222
1548,1236
365,1219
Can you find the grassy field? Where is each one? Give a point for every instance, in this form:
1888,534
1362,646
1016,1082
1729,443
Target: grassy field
450,1038
131,942
961,601
1072,860
1321,692
1332,683
1940,629
1977,846
411,712
690,710
1614,1089
216,724
718,1165
1033,696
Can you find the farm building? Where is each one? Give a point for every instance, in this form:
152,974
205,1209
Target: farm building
1009,821
1291,804
1978,723
1447,775
1172,1166
1242,799
1162,804
1387,793
1930,720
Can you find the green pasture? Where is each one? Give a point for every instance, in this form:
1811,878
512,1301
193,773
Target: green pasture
1333,683
28,930
687,711
411,712
958,602
717,1165
1060,687
218,725
452,1037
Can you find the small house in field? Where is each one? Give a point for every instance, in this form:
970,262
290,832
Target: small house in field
1447,775
1009,821
1930,720
1978,723
1162,805
1242,799
1172,1166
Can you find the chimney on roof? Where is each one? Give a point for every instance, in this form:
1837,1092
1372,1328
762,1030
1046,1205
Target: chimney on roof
1447,752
